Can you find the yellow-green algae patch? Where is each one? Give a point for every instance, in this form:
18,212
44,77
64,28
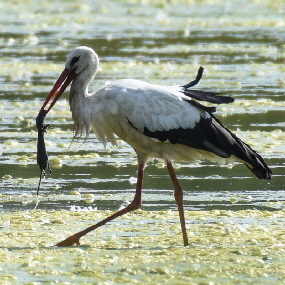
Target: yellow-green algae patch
144,247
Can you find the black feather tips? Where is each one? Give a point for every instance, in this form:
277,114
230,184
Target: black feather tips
211,97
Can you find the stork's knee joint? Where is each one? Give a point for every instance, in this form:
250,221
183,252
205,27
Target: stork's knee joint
134,205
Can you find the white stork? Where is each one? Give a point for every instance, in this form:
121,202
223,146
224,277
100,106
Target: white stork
157,121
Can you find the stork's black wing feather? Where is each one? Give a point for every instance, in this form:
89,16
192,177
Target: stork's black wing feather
210,135
211,97
196,81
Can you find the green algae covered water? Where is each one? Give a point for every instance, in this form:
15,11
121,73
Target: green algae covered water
235,222
226,247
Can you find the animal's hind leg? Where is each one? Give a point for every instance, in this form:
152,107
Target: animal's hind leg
135,204
178,194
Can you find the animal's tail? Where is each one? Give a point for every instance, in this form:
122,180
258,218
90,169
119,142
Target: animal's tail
215,137
247,155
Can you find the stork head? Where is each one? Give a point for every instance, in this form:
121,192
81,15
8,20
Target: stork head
82,61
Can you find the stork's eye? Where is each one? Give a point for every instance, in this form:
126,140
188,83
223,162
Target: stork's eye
74,60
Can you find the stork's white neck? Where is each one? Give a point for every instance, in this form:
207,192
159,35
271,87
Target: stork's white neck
86,68
78,101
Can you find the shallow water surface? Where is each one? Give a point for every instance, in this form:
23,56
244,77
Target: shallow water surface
241,46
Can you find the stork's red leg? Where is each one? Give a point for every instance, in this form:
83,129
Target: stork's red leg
135,204
178,194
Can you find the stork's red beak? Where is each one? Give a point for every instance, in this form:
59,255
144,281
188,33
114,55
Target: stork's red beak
60,85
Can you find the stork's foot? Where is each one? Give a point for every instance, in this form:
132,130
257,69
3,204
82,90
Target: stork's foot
74,239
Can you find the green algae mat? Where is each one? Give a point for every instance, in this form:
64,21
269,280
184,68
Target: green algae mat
144,247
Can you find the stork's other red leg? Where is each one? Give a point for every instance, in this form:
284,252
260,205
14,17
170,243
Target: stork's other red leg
135,204
178,194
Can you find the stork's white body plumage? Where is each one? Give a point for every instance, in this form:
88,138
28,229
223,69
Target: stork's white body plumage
109,111
157,121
